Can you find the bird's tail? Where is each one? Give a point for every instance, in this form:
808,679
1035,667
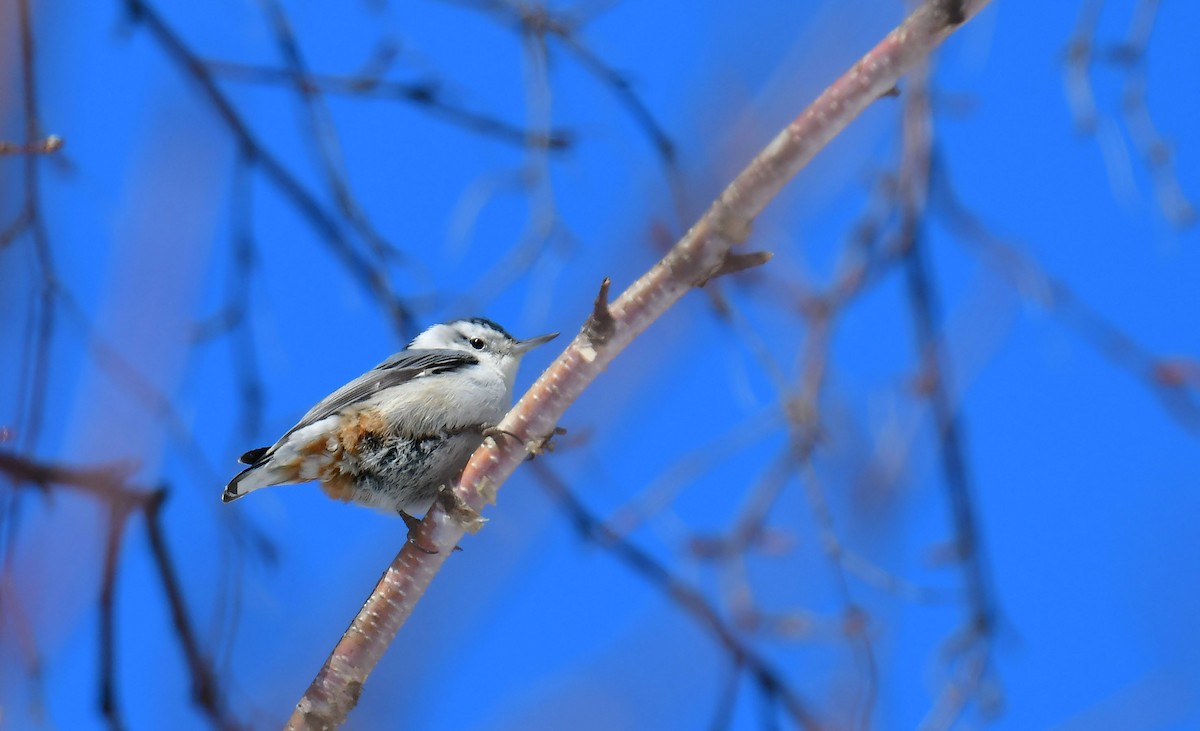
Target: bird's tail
260,473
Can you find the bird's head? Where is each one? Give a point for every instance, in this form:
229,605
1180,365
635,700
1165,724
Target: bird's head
484,339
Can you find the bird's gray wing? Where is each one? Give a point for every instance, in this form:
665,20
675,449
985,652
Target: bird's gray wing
400,368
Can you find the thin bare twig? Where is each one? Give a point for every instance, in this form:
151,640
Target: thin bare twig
566,25
1083,52
923,300
109,485
1174,380
324,222
723,717
325,135
423,95
689,599
206,688
42,318
118,514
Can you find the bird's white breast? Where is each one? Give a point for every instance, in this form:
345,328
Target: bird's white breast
429,404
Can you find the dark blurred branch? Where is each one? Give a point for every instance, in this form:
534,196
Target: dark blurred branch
750,529
206,688
654,131
723,715
110,485
40,325
324,222
935,377
424,95
324,132
856,624
687,598
118,514
694,259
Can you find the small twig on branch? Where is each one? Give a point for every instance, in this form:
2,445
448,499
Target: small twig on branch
599,327
45,146
696,258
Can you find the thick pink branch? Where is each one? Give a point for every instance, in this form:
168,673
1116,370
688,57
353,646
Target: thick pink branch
700,255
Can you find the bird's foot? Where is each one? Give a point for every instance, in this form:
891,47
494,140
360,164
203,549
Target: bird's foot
533,446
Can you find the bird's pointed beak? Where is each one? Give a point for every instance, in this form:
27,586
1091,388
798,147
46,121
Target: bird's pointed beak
524,346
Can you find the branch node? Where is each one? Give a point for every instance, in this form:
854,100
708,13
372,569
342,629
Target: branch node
467,517
954,12
487,489
892,92
599,327
734,263
544,444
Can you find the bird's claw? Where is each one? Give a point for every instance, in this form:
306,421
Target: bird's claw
533,446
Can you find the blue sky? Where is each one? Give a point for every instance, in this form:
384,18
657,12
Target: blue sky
1085,482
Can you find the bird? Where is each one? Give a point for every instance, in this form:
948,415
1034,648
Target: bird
393,437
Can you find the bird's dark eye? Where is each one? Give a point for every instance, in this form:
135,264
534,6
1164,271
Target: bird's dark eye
476,343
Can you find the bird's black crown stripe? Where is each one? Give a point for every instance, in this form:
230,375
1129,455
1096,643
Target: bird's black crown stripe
484,322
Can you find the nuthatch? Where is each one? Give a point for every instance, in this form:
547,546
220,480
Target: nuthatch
392,437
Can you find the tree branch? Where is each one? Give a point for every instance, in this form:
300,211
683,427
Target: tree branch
700,254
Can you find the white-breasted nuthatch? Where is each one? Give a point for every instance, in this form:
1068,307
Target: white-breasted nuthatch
392,437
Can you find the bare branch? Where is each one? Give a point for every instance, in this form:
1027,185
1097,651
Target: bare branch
696,257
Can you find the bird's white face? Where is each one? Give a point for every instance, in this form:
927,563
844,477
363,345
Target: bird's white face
483,339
